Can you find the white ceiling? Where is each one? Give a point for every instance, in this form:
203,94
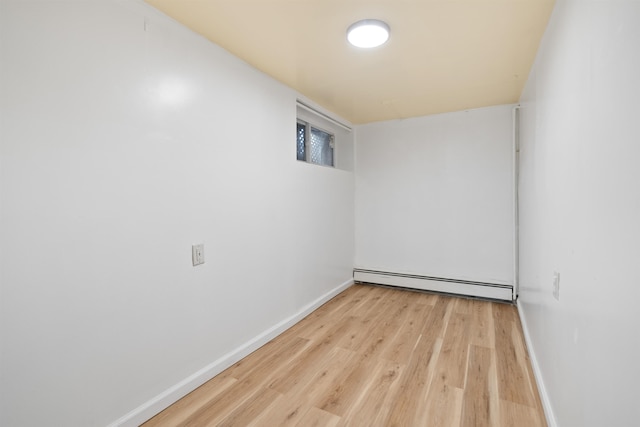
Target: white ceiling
443,55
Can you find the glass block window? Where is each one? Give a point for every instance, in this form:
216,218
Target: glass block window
301,149
314,145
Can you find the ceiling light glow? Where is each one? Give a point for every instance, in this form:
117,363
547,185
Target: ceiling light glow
368,33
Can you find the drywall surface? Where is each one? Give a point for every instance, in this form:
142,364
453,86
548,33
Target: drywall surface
580,212
434,195
125,139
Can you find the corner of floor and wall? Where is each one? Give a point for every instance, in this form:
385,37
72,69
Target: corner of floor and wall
126,139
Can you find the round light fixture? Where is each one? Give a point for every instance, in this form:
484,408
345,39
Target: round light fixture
368,33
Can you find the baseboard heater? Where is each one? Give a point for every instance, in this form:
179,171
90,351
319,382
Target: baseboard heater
436,284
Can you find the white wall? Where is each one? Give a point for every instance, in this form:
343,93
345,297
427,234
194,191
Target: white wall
434,195
580,212
125,139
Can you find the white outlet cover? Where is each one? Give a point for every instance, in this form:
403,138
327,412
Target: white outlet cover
197,254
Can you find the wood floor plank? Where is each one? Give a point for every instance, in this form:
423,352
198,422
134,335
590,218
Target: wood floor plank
444,399
299,369
453,355
402,345
382,383
509,369
316,322
345,389
482,331
275,351
443,406
384,327
274,363
414,385
315,417
250,408
188,405
378,356
477,409
367,318
463,305
516,415
369,302
297,401
416,378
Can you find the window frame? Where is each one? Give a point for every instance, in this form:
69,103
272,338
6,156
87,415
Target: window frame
307,142
343,135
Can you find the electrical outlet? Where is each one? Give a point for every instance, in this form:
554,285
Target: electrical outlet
197,254
556,285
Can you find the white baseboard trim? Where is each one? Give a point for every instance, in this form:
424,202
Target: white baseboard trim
544,396
150,408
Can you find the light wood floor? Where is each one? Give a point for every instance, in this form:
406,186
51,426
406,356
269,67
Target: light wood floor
375,356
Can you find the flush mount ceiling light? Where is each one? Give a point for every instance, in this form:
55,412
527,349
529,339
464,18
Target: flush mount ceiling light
368,33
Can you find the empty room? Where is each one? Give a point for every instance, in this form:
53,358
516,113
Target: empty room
254,212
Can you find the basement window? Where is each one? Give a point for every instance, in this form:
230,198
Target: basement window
314,145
